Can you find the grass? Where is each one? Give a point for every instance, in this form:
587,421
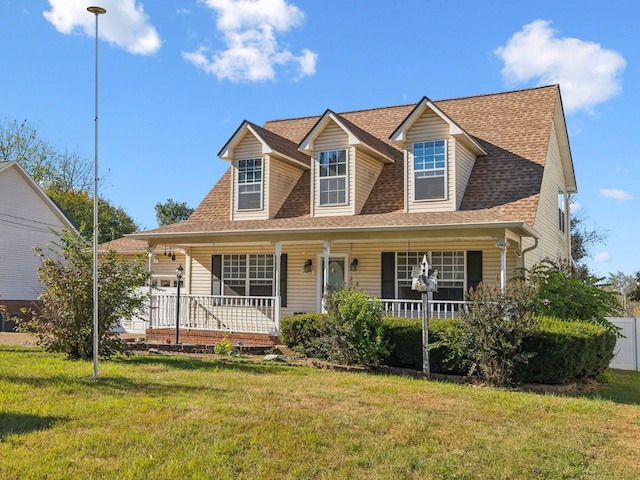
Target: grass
239,418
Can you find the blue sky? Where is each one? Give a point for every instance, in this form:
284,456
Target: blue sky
177,78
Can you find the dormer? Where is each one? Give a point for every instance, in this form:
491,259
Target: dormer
439,157
345,164
265,168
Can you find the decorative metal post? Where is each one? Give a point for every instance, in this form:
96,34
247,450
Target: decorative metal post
96,11
179,271
425,282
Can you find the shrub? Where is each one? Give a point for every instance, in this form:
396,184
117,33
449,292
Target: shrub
567,350
405,345
561,296
492,329
298,331
65,322
350,333
224,347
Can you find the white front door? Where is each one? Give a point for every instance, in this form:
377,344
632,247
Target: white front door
337,275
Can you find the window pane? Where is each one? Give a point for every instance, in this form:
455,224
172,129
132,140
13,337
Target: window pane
429,161
427,188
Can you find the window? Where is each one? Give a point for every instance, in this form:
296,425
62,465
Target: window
429,167
248,275
450,266
333,177
561,212
250,184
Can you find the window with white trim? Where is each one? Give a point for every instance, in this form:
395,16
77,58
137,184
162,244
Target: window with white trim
248,275
250,184
561,212
429,170
451,274
332,176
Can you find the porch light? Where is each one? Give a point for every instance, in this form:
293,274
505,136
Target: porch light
179,272
354,265
306,268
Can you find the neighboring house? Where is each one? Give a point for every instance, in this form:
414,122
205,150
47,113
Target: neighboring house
480,184
28,218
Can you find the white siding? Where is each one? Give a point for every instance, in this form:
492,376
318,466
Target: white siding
430,127
283,177
25,219
249,147
367,170
303,288
464,161
333,138
553,243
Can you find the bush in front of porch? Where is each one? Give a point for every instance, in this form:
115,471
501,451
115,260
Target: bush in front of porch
565,350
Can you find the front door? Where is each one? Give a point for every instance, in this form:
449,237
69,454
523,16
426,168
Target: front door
337,276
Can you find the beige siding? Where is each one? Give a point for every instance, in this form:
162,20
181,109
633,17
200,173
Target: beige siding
303,289
553,243
367,170
25,219
464,161
249,147
333,138
430,127
282,179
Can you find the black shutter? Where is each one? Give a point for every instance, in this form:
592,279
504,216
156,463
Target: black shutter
283,279
216,274
388,275
474,269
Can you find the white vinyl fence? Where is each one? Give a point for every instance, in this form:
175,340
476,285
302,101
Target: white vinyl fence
627,350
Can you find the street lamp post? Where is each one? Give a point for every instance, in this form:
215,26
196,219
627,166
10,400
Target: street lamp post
179,271
96,11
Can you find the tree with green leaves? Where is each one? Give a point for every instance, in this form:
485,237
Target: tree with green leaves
64,323
583,238
66,177
172,212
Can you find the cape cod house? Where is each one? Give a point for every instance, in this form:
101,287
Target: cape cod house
480,184
28,218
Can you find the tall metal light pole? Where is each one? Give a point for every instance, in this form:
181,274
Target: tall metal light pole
96,11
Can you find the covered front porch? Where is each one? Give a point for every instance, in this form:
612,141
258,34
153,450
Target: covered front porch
242,285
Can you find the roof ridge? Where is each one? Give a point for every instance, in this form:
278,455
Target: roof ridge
400,105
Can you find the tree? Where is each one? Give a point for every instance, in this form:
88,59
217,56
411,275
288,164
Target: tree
635,294
66,177
582,241
625,285
65,321
563,296
172,212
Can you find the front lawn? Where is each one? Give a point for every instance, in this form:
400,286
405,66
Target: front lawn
240,418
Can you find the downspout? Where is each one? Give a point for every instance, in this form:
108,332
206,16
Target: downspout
528,249
150,249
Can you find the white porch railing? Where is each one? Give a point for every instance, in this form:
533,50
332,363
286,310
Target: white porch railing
413,308
217,313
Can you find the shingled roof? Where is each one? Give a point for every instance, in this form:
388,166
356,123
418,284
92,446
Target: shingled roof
514,129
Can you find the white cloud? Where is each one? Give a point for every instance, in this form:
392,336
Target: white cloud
616,194
588,74
125,24
602,257
249,29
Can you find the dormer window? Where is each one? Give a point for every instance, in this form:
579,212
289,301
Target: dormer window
250,184
429,170
333,177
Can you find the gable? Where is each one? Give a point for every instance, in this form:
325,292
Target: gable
512,128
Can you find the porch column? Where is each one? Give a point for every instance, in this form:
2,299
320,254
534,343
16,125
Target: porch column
502,243
276,307
326,250
150,250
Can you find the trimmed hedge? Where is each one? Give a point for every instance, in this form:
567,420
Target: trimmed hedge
565,350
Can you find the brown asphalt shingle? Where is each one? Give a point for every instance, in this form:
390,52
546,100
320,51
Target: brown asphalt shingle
513,127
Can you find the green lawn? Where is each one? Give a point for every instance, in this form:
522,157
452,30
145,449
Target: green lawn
161,417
